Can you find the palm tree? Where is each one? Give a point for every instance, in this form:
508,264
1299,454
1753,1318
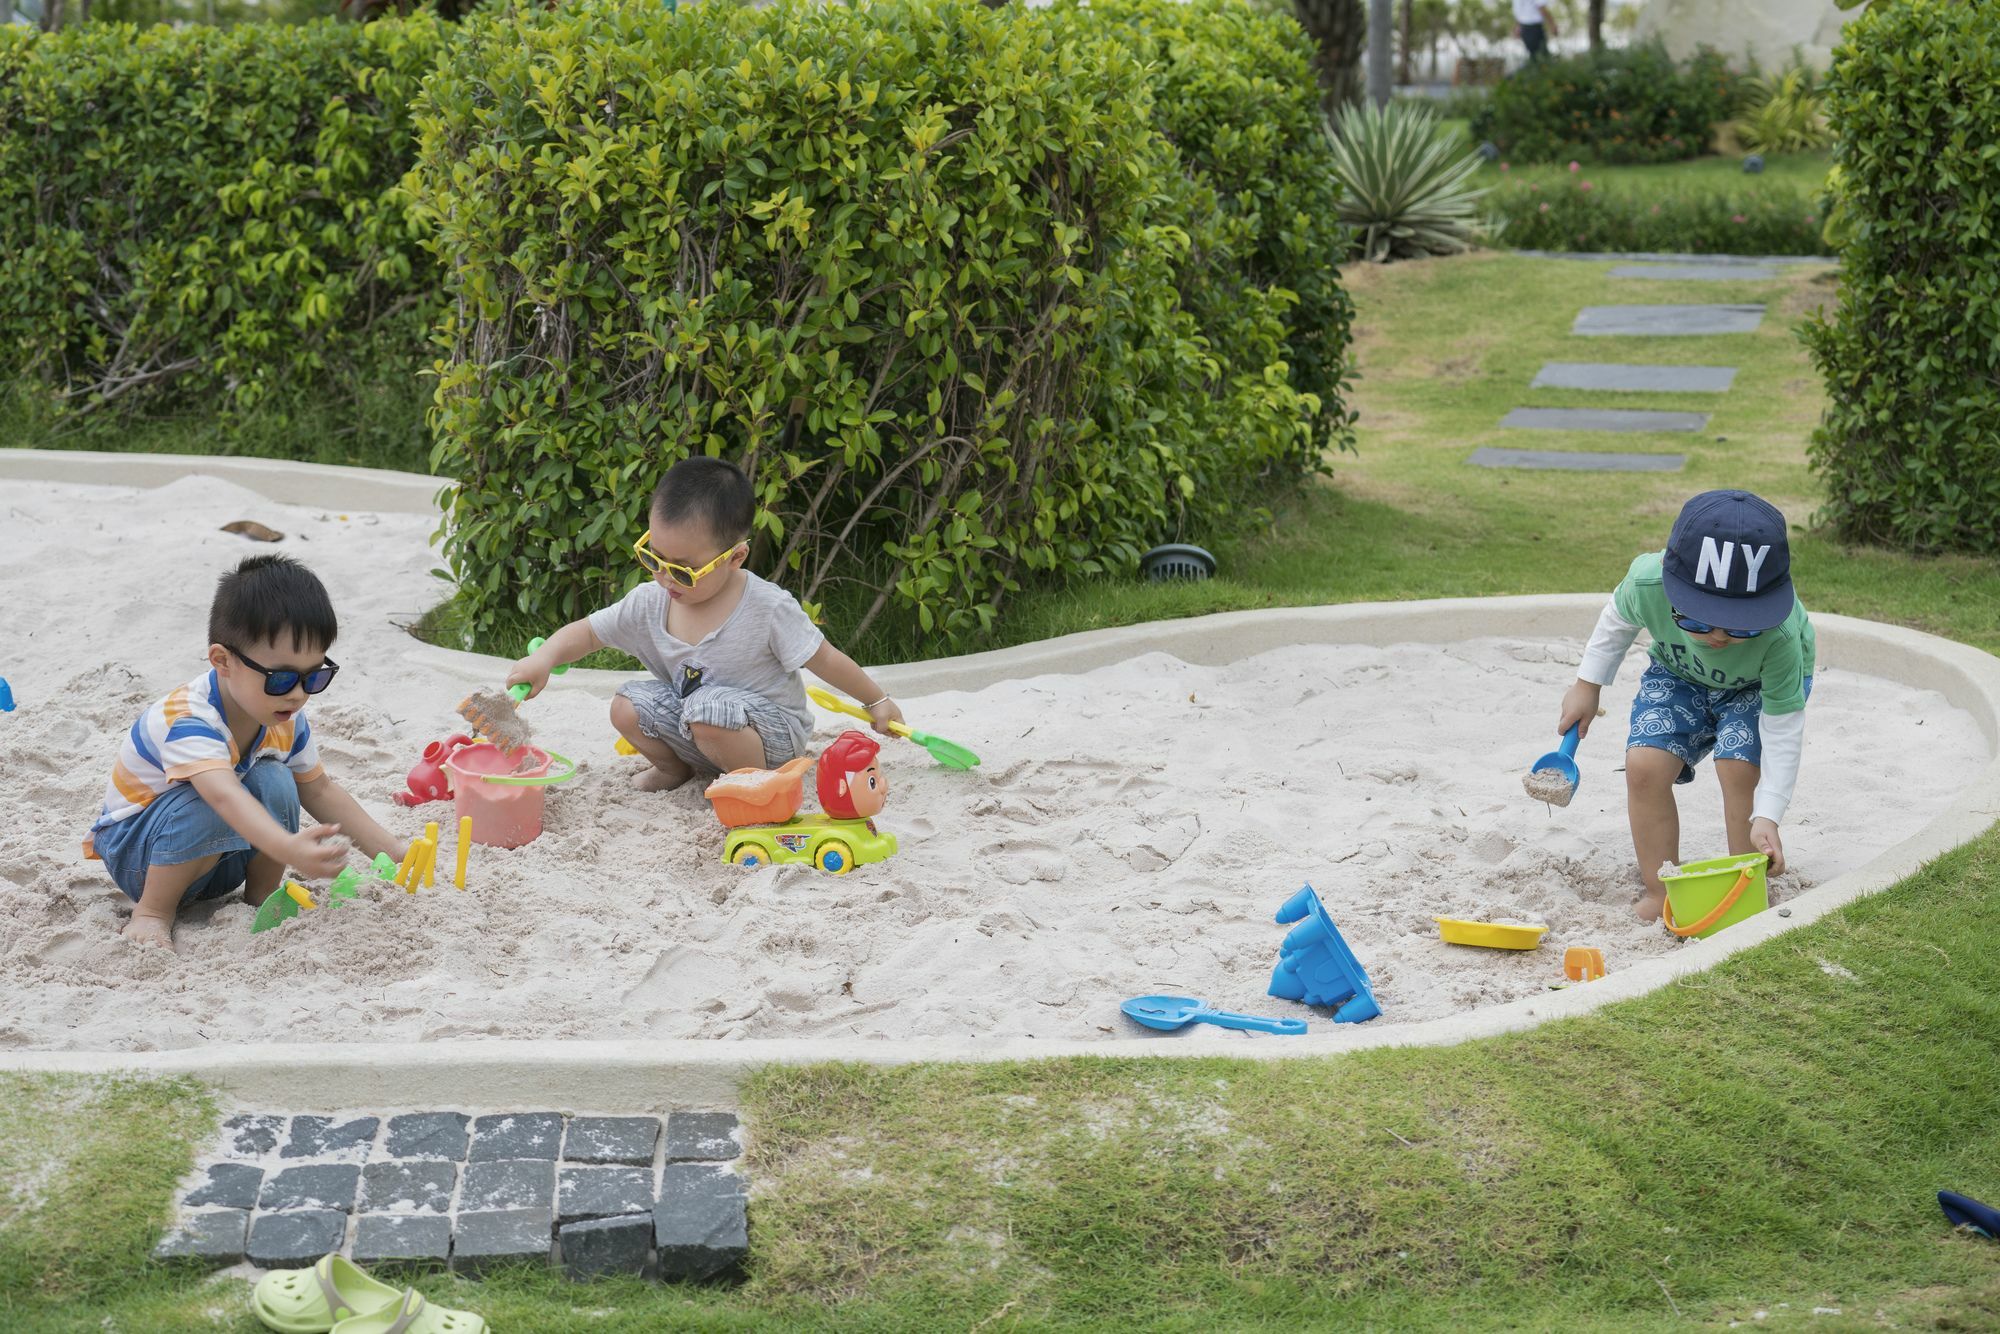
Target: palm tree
1338,27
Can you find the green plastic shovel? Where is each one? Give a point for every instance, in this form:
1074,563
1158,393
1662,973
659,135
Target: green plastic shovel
948,753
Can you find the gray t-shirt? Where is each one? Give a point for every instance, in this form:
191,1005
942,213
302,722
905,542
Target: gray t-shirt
760,648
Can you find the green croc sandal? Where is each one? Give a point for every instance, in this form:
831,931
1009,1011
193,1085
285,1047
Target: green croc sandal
413,1315
312,1301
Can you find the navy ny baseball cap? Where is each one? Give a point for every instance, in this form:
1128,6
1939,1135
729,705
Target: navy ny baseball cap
1727,562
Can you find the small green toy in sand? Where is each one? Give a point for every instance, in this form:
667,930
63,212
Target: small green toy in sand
291,898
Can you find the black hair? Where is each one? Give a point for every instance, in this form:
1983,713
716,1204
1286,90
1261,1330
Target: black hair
269,596
714,491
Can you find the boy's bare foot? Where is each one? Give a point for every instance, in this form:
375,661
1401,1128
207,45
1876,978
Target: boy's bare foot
145,929
1648,907
650,779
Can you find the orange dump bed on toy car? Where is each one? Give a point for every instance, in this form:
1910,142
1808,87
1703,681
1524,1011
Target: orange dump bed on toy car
759,796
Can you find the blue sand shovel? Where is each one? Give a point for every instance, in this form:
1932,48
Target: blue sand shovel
1964,1211
1171,1012
1557,791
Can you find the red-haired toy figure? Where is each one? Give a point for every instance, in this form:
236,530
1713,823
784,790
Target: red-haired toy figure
760,809
851,785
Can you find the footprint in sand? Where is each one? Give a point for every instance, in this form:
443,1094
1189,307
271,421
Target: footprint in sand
64,947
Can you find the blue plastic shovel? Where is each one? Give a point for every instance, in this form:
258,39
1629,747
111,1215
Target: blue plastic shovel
1171,1012
1563,761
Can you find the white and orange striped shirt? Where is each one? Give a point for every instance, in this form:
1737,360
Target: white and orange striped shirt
185,734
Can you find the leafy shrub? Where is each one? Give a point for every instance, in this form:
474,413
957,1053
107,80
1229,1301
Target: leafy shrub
1232,91
1405,183
209,216
1581,214
1626,104
1781,114
1909,447
955,232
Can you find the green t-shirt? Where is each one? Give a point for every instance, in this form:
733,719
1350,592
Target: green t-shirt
1777,661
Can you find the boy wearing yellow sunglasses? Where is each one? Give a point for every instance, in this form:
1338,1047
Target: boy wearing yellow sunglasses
724,647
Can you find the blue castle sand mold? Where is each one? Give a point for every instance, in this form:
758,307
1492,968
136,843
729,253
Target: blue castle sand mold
1315,965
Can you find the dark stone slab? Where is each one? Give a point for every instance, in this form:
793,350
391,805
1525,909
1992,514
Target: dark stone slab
517,1135
295,1238
1635,379
603,1192
520,1183
251,1135
214,1238
1698,273
602,1246
702,1224
319,1186
708,1137
407,1241
401,1187
228,1186
1574,460
323,1137
483,1242
1602,419
612,1139
429,1135
1666,321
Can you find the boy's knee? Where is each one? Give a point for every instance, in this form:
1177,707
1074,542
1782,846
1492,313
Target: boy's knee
623,716
275,789
1651,770
1737,775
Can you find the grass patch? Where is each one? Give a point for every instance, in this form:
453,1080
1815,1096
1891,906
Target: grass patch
1766,1136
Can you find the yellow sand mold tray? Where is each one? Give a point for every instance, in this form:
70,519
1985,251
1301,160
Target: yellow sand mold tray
1491,935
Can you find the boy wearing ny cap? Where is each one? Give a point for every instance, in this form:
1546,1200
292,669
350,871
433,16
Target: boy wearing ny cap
1731,668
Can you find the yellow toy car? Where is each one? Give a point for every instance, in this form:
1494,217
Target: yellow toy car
834,846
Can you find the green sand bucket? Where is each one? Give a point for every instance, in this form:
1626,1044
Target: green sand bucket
1722,891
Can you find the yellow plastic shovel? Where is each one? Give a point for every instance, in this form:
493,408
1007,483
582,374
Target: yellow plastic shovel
948,753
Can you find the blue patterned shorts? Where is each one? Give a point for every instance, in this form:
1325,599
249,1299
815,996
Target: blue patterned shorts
1691,721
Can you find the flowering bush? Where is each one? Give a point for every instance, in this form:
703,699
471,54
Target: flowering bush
1581,214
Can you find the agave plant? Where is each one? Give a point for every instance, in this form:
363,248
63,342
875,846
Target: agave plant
1782,115
1404,183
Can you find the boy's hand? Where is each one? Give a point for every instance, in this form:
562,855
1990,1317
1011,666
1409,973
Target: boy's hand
1579,708
881,715
533,670
317,853
1764,838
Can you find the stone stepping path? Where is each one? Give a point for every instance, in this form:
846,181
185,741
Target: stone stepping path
472,1192
1697,273
1602,419
1666,321
1569,460
1634,379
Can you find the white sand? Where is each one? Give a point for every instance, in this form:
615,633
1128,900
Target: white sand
1131,830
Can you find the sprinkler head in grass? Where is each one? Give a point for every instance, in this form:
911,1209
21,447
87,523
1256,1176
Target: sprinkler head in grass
1490,151
1177,561
1753,165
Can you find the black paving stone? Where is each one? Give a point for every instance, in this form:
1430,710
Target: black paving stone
295,1238
214,1238
516,1135
412,1241
227,1186
708,1137
405,1187
324,1137
612,1139
317,1186
701,1225
482,1242
603,1192
520,1183
602,1246
429,1135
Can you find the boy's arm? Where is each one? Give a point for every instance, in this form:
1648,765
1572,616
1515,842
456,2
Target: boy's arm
312,852
332,804
1601,658
573,641
841,672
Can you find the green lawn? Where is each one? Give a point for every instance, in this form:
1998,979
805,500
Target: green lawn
1765,1137
1715,174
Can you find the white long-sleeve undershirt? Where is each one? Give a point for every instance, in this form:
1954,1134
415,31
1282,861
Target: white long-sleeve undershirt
1783,735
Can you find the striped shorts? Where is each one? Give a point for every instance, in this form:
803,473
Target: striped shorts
665,716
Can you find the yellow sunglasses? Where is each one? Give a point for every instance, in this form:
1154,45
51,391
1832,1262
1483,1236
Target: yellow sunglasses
684,575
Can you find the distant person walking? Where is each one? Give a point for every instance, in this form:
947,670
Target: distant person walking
1533,26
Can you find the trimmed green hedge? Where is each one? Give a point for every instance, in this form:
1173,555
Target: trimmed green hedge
1910,447
208,217
1580,214
1621,104
1033,338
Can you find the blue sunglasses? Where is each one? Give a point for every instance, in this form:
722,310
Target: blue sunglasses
283,680
1694,627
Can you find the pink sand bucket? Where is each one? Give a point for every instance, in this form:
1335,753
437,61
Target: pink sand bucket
502,797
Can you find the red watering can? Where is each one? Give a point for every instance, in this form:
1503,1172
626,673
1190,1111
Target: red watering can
428,781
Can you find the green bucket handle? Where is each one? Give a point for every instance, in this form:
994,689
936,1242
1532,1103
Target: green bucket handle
538,780
1710,918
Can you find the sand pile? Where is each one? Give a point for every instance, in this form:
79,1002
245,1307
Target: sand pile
1131,830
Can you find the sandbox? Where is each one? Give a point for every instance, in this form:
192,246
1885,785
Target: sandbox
1147,799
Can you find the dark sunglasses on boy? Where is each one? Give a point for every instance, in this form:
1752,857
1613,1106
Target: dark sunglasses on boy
283,680
1694,627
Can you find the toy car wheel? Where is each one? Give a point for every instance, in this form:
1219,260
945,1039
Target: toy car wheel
834,857
748,855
